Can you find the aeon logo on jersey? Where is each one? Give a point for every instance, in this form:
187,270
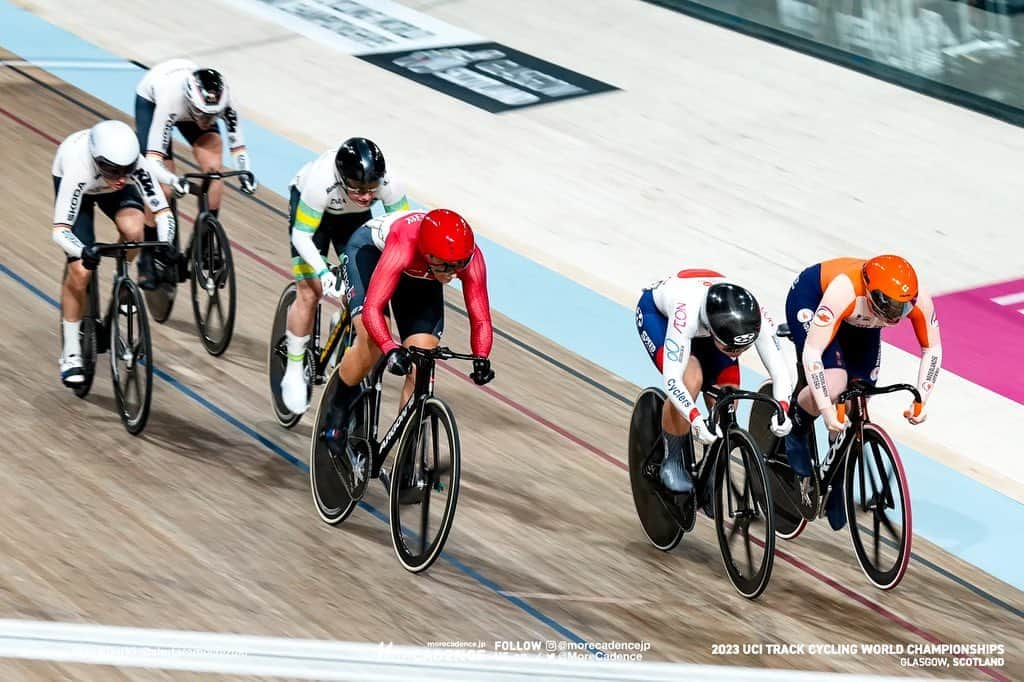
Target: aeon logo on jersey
679,318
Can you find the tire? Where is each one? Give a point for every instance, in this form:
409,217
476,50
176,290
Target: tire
744,511
789,520
875,474
86,335
213,284
331,496
659,524
430,450
131,356
277,360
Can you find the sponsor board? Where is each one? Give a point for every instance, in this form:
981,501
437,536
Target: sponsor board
490,76
429,51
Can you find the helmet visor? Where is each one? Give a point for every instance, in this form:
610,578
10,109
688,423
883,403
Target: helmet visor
735,345
360,188
114,171
888,308
438,265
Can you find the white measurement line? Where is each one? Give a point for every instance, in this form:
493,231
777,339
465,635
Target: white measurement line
70,64
1009,299
331,660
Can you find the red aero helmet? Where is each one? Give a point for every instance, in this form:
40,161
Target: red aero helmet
446,236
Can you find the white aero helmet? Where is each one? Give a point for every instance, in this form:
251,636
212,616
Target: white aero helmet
206,94
114,148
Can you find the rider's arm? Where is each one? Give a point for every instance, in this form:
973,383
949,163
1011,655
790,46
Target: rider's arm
65,212
837,302
66,208
236,141
474,277
392,196
683,319
154,198
159,141
397,255
307,220
926,327
770,350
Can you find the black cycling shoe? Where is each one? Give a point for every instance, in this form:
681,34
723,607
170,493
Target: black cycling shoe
147,275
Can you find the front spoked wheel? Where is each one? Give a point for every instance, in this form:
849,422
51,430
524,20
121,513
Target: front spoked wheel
131,356
744,520
878,508
213,285
425,486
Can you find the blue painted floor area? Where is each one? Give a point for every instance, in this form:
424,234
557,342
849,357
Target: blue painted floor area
975,524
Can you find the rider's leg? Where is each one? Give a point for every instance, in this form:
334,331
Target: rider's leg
209,149
803,413
73,293
146,271
301,315
862,351
676,428
418,305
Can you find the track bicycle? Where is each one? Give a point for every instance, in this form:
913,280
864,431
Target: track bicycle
864,461
423,481
124,331
209,267
731,473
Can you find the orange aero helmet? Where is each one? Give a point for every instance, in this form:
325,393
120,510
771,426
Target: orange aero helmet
891,286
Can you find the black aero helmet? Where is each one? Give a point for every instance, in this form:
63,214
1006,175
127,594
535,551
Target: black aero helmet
733,315
359,163
206,93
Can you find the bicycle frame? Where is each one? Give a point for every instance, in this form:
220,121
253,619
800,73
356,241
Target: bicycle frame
423,389
338,332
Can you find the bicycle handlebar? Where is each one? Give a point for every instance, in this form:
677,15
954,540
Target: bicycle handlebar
859,388
440,353
218,175
112,248
207,178
727,395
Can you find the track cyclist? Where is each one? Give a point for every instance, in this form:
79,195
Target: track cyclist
179,94
405,259
836,310
331,197
695,325
99,166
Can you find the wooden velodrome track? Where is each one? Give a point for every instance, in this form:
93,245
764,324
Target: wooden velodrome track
206,522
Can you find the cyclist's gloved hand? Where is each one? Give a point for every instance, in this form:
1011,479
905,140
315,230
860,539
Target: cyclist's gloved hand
329,284
399,361
248,186
702,432
832,422
916,414
482,372
783,429
90,257
180,187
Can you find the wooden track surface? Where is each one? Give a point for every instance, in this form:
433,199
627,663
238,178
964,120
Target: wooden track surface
198,525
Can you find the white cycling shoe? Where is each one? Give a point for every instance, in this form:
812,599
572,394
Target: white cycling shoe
72,370
294,391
